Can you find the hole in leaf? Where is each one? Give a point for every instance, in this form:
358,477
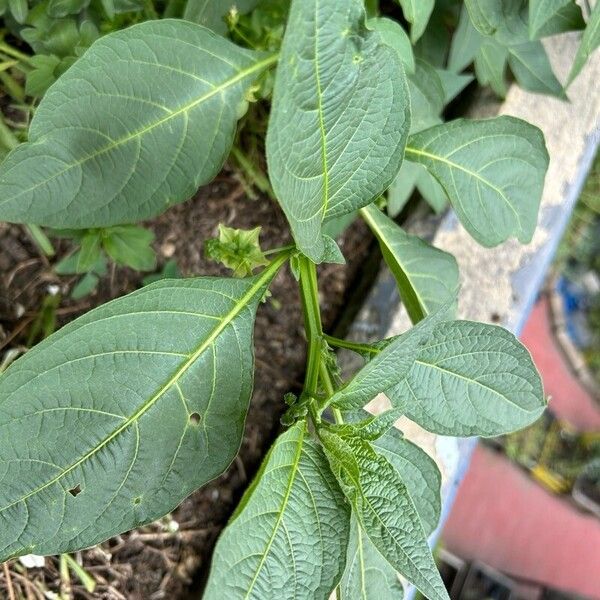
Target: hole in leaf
195,418
75,491
137,500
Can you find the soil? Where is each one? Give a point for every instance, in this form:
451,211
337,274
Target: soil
153,562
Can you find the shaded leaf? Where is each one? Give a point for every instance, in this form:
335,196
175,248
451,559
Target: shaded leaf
426,97
533,71
492,170
490,66
395,37
340,117
212,13
417,13
465,43
427,278
589,42
549,17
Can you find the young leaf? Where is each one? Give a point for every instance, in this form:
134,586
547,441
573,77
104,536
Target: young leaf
212,13
340,117
490,66
533,71
392,364
418,471
485,15
417,13
427,278
238,249
426,97
385,511
146,116
549,17
131,246
589,42
465,43
368,576
90,253
471,379
493,171
111,422
288,537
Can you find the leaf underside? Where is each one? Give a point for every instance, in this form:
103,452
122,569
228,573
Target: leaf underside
111,422
144,118
288,539
339,120
492,170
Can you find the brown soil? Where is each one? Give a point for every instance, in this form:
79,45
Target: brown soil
153,562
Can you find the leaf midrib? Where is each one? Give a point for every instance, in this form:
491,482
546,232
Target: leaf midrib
288,492
141,132
233,313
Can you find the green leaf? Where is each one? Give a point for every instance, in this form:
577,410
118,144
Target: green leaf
42,75
417,13
490,66
19,10
237,249
589,43
111,422
288,537
392,364
427,278
386,513
433,193
493,171
471,379
533,71
90,253
62,8
465,43
131,246
368,576
453,83
402,187
395,37
212,13
340,117
485,15
549,17
144,118
426,97
419,473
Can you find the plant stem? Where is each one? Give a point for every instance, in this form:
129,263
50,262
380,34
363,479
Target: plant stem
40,239
330,391
354,346
309,294
7,49
281,249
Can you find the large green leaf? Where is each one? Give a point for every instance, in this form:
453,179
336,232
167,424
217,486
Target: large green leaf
146,116
114,420
490,66
465,43
340,117
212,13
427,277
549,17
589,42
368,576
385,511
393,35
493,171
288,538
471,379
389,366
533,71
427,97
417,13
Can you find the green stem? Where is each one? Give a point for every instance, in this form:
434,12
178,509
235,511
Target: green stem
309,294
354,346
280,249
40,239
330,391
7,49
